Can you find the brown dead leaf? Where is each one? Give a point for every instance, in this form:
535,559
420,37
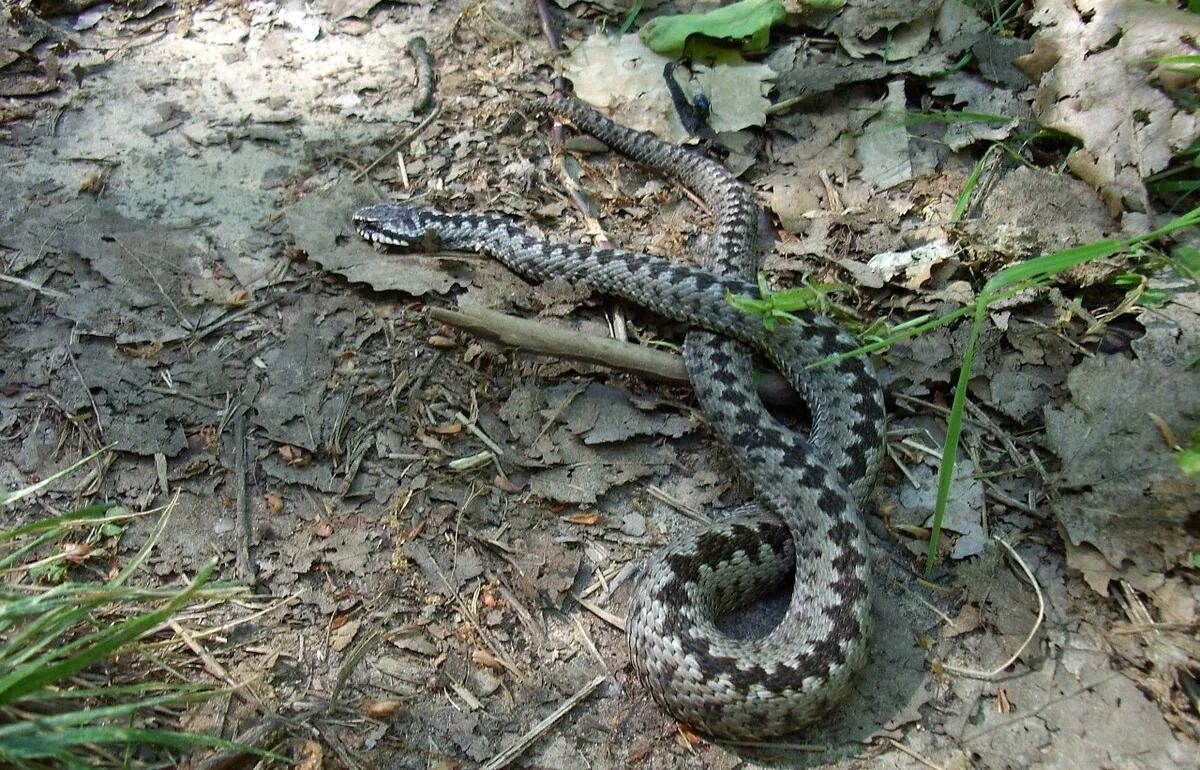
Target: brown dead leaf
586,518
969,618
447,429
95,182
687,738
294,456
506,485
1101,91
638,753
149,351
76,553
309,756
429,442
486,659
343,635
383,709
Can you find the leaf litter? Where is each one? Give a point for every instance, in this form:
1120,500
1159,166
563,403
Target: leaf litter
180,292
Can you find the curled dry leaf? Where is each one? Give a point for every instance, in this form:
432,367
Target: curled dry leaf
76,553
274,503
383,709
294,456
585,518
506,485
309,756
486,659
147,352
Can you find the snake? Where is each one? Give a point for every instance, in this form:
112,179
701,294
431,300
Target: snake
805,526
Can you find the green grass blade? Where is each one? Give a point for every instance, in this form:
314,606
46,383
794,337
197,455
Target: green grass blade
142,689
12,497
1016,277
953,432
136,562
32,677
86,514
46,629
59,743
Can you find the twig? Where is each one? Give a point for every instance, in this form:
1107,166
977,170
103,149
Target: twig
478,433
214,630
245,566
552,38
928,763
1039,708
587,640
211,665
184,321
660,494
55,293
400,144
469,616
525,741
203,331
549,340
609,618
991,675
87,389
265,733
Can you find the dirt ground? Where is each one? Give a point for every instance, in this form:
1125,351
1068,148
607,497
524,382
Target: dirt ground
444,531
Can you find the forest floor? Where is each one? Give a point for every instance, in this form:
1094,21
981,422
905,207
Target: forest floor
181,281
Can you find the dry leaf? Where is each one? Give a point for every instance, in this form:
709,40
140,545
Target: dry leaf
294,456
586,518
274,503
383,709
76,553
309,756
486,659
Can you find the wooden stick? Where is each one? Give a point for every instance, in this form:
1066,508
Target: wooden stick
557,342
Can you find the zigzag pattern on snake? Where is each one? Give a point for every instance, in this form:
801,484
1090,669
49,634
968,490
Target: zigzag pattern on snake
809,487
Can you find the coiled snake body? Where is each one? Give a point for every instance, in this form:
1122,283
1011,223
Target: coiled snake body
807,528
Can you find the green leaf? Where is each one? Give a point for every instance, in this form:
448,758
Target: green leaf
1189,63
1153,298
746,24
1189,462
1187,260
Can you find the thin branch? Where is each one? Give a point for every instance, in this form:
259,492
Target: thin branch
991,675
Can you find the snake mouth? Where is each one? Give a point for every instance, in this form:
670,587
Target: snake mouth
371,223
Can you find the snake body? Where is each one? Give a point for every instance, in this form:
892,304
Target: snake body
806,528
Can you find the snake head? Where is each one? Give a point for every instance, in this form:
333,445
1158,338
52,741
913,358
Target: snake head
390,224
